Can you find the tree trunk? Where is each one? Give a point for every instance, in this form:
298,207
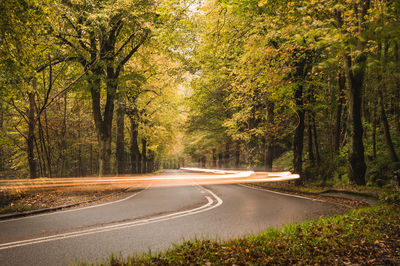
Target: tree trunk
135,153
269,140
316,143
299,135
374,126
103,122
40,162
354,80
386,130
269,156
385,123
120,145
227,155
220,160
46,149
341,95
144,155
104,152
214,158
91,158
49,149
2,156
31,133
43,149
80,163
397,92
237,155
354,69
63,144
310,141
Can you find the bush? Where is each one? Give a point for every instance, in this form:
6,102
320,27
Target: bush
380,171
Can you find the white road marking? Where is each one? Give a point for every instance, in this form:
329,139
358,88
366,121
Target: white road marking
77,209
291,195
280,193
209,206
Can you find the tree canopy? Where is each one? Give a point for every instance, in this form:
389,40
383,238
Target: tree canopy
104,87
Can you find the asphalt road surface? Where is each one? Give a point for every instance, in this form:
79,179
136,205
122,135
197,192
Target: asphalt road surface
152,219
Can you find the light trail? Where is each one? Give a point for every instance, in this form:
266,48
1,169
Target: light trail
201,176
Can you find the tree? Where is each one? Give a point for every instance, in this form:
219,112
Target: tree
103,36
22,42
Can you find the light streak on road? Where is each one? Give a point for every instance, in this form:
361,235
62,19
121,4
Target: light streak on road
200,176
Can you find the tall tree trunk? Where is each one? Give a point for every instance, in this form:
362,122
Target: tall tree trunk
91,158
269,139
397,91
135,153
311,156
374,126
42,145
237,155
316,143
63,144
80,164
220,160
385,123
40,162
2,156
214,158
341,95
354,80
386,130
144,155
103,122
227,155
299,134
31,132
49,149
45,148
269,155
120,145
354,69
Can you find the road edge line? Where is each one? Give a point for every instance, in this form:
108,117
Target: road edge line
291,195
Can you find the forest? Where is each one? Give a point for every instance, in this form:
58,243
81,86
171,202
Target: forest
115,87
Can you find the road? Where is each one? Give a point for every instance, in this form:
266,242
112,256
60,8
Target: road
152,219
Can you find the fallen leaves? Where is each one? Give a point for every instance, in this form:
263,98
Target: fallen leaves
48,199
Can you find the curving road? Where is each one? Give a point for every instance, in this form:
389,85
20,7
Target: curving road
152,219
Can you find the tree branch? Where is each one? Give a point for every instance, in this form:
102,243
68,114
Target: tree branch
57,61
134,49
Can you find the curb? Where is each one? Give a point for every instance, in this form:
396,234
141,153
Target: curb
52,209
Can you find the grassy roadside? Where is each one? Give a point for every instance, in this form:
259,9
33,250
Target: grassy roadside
313,188
369,235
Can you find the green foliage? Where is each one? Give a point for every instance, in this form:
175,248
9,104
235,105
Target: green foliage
392,197
210,76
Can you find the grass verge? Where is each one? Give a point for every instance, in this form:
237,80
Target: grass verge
374,192
368,235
